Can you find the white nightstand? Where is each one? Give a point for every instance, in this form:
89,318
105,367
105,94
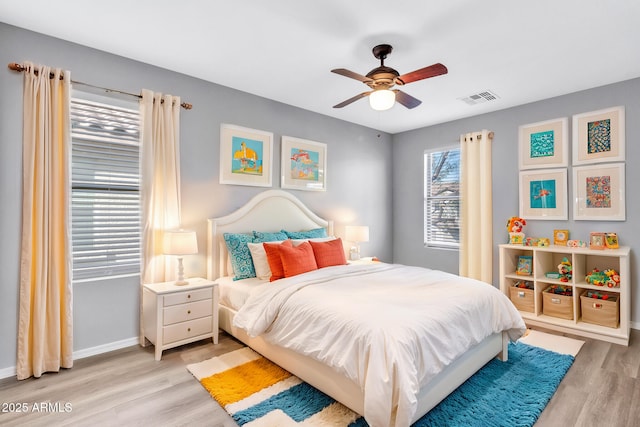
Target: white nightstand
176,315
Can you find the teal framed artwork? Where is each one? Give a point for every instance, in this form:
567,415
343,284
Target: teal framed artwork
543,194
599,136
599,192
246,156
544,144
304,164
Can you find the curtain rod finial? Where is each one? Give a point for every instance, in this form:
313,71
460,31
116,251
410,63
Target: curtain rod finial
15,66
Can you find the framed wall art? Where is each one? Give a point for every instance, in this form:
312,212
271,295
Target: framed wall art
543,194
304,164
599,192
544,144
246,156
599,136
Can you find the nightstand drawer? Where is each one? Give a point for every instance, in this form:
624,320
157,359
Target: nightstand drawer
184,330
183,312
187,296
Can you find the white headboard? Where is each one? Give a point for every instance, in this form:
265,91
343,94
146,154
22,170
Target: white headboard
269,211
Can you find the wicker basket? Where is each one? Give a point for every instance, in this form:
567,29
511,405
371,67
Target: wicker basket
599,311
556,305
522,298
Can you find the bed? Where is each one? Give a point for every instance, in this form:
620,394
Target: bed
383,395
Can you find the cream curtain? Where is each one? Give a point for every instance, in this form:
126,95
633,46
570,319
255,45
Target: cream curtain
476,218
45,325
160,159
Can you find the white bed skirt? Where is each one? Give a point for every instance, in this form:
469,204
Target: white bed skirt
347,392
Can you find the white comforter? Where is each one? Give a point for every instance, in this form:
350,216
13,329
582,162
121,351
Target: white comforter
390,328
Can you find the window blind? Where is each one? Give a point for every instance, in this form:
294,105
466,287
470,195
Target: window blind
442,198
105,179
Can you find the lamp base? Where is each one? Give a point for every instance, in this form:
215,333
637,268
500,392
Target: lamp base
181,281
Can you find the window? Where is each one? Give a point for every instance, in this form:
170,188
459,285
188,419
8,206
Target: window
442,198
105,180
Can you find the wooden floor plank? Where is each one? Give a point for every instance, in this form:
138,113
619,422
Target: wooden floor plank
128,387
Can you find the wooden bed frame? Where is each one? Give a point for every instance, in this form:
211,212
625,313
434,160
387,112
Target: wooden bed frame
273,210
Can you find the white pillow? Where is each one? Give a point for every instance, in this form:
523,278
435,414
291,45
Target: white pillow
260,262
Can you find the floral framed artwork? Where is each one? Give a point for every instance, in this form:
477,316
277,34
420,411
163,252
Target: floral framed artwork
304,164
543,194
599,192
599,136
544,144
246,156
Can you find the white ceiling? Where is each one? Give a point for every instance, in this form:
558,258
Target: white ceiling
283,50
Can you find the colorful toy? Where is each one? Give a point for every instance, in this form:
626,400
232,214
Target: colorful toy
577,243
560,290
515,226
565,268
543,241
525,284
609,278
614,278
600,295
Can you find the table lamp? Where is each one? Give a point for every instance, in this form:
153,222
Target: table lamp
179,243
356,234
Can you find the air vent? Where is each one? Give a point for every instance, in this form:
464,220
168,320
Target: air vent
479,98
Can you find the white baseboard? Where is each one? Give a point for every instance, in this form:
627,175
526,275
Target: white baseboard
81,354
8,372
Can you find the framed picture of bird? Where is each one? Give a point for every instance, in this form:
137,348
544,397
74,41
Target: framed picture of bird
543,194
304,164
246,156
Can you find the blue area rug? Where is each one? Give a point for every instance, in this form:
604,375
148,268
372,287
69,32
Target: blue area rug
512,393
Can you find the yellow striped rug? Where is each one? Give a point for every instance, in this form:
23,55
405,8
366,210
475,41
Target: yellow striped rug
256,393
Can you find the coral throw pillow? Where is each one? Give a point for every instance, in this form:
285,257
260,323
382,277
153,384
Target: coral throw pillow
297,259
273,258
329,253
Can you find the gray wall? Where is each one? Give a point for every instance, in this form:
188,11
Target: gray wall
407,169
382,188
106,312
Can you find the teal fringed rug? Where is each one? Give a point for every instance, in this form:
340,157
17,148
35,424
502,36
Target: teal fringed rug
514,393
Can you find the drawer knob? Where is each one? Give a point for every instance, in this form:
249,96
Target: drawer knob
188,295
188,311
188,329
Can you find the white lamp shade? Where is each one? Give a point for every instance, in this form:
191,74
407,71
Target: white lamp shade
382,99
180,242
357,233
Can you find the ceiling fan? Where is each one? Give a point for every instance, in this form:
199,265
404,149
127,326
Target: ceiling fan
381,79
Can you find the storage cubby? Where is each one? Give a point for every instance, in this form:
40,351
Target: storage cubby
567,315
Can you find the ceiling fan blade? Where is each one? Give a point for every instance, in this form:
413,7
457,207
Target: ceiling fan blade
352,99
406,99
423,73
351,74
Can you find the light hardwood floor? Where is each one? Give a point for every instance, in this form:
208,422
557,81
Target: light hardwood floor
128,388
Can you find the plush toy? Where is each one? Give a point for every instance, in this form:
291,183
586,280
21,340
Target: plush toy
564,268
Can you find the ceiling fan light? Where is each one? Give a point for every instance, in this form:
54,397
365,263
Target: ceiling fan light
382,99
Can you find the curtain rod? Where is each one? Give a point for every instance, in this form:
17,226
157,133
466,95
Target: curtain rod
479,135
20,68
